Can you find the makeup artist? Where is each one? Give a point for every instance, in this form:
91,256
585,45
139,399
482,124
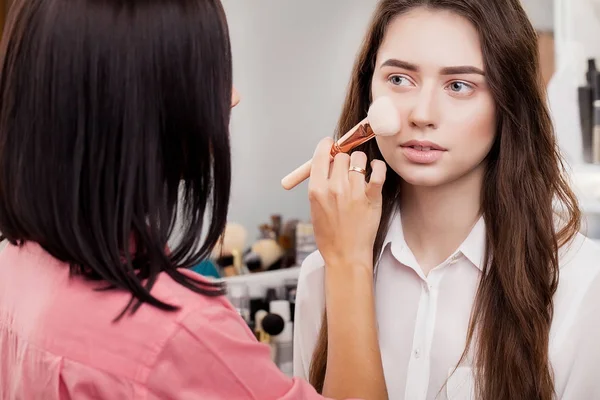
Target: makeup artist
113,121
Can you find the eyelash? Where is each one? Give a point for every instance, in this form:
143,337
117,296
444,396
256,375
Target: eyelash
465,84
397,76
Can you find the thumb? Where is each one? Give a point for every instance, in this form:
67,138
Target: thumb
375,185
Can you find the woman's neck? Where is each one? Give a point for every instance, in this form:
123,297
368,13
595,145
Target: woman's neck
436,220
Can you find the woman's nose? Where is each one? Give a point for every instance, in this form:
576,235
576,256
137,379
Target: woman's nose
423,113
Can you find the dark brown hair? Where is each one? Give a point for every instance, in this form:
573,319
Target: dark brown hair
513,310
114,122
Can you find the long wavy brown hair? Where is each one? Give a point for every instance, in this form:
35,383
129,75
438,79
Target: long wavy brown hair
511,318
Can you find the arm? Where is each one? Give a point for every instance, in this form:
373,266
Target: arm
354,360
346,211
348,302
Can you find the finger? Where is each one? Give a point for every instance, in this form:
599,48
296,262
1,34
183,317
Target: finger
319,171
375,185
339,174
358,159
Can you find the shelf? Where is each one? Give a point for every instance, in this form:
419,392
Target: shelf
260,281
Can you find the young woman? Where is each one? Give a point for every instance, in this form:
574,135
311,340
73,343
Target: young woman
112,115
484,287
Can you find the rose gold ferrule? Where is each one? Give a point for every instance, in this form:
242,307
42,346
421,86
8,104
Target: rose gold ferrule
361,134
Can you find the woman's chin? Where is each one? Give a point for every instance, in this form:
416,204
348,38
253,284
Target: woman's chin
424,182
427,177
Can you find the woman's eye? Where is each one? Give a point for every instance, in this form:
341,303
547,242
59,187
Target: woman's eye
399,80
460,88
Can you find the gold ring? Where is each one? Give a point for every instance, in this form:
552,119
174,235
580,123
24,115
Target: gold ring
359,170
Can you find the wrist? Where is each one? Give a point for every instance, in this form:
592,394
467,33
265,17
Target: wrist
354,261
350,288
349,270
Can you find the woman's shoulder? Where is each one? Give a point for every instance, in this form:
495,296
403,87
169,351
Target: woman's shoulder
579,280
310,295
312,265
579,268
311,283
580,253
72,317
169,290
576,316
310,305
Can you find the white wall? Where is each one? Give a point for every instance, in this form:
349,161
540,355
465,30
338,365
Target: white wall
541,14
292,61
577,29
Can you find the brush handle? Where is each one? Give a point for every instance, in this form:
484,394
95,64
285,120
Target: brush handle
358,135
302,173
297,176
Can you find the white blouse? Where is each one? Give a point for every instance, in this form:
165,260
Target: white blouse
423,320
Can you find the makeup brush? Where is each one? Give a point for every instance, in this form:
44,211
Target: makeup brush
264,255
272,324
383,119
232,243
234,237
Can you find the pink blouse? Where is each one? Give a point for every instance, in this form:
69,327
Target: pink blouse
58,341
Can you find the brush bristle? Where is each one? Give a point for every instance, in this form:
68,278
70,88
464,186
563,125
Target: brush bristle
234,238
384,117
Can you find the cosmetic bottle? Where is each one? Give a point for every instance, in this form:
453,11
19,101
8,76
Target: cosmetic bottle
596,133
283,340
586,95
595,84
